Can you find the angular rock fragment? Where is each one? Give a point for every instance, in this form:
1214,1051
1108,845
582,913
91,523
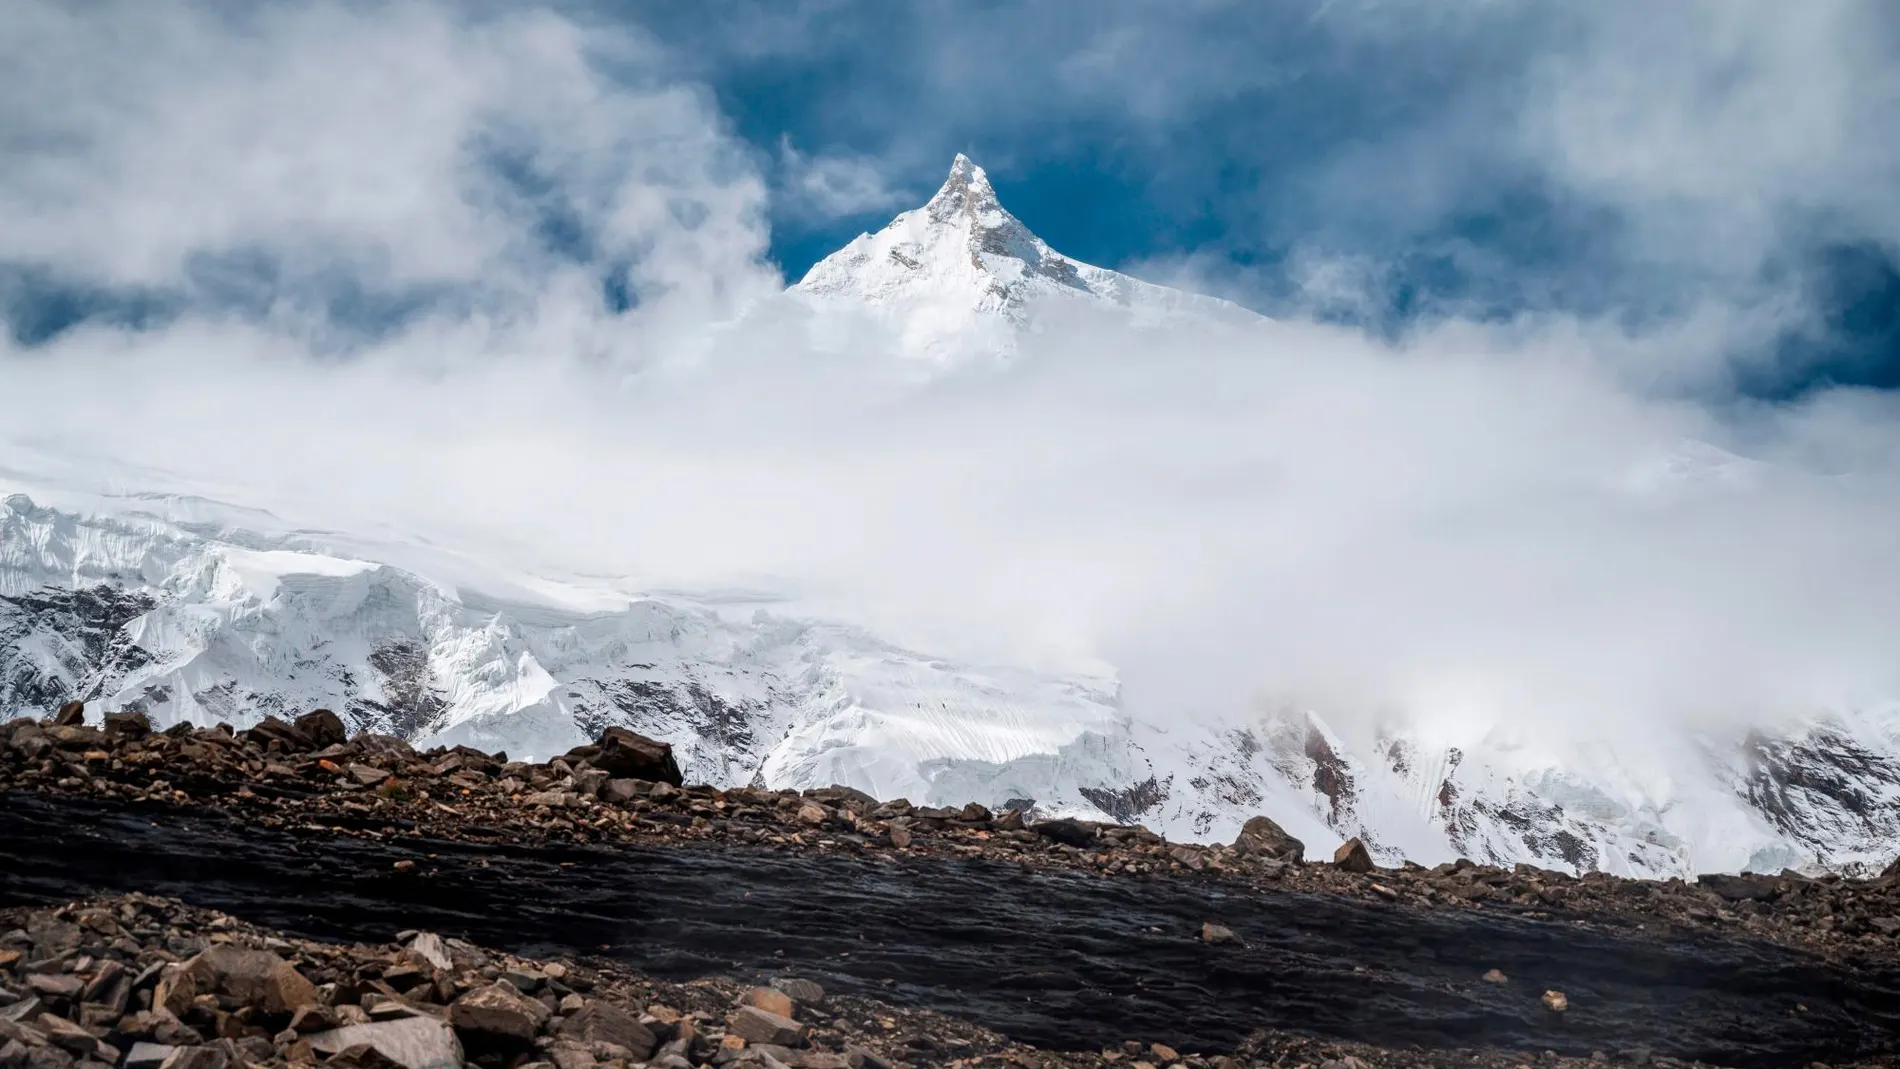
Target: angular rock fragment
56,985
1217,933
429,947
133,725
497,1014
803,992
1067,831
66,1035
323,728
627,753
755,1025
599,1022
411,1042
1741,888
286,735
770,1000
206,1056
1261,837
256,978
1352,856
147,1055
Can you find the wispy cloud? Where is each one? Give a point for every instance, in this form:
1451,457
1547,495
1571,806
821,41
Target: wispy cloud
282,159
834,186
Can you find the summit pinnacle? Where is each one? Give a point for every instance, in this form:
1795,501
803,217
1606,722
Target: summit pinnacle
961,272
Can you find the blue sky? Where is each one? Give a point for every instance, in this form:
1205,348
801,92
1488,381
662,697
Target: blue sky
1384,163
1256,139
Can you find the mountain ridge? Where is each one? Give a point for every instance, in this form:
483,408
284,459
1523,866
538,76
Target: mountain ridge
187,625
962,273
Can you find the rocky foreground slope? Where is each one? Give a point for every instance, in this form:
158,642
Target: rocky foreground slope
626,788
652,890
149,983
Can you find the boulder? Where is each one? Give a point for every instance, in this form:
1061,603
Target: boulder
1261,837
313,1017
771,1000
207,1056
75,736
271,729
133,725
66,1035
70,714
256,978
497,1015
429,947
1352,856
411,1042
376,744
598,1022
1888,876
627,753
147,1055
755,1026
1067,831
56,985
1217,933
803,992
1741,888
323,728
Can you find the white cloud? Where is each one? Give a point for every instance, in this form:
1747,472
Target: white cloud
833,186
1722,122
369,139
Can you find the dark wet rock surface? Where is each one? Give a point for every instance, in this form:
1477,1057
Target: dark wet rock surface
1057,959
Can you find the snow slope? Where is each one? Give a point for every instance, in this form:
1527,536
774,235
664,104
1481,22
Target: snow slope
207,619
961,276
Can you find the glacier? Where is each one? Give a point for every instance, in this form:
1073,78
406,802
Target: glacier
197,610
129,605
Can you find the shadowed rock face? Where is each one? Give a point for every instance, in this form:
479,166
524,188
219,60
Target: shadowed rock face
60,644
1059,960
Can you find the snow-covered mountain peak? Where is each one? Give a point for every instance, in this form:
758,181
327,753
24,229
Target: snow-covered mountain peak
961,274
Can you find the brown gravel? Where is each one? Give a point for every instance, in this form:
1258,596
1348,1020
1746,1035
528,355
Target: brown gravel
138,981
307,774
